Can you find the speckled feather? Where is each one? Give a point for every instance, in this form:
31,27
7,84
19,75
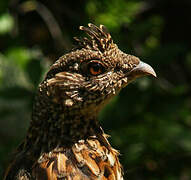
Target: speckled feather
65,140
86,159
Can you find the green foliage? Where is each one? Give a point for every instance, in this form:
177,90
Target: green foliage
150,120
18,55
105,13
6,23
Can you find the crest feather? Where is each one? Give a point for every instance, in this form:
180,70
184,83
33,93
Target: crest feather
100,38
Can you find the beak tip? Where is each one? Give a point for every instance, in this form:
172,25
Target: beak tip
152,72
154,75
145,69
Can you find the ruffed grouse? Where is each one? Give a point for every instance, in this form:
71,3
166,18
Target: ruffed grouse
65,140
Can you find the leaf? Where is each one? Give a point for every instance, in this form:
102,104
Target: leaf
6,23
19,55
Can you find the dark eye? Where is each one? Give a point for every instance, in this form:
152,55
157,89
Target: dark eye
95,68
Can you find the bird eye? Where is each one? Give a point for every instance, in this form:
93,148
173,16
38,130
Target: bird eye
95,68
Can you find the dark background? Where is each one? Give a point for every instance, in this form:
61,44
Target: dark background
150,121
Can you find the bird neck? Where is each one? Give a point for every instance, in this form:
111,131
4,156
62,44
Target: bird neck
54,125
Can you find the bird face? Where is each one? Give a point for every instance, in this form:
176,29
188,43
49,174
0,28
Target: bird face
88,77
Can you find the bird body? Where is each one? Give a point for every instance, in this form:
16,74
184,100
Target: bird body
65,140
92,158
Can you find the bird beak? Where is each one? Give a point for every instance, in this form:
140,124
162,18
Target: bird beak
143,69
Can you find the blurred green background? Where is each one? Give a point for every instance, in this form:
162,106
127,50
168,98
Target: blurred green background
150,121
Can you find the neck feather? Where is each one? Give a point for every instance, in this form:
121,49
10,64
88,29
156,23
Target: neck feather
54,125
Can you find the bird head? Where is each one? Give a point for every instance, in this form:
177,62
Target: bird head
92,74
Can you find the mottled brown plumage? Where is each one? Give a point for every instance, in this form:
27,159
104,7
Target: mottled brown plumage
65,140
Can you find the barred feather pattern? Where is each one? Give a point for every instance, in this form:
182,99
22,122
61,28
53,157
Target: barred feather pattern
88,159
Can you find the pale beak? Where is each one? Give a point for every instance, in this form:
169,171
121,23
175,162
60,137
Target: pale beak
143,69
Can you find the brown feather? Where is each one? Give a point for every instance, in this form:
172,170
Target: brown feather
65,140
87,159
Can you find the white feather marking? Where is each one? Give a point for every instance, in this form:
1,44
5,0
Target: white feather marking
111,159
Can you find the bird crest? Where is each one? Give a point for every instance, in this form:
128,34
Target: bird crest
100,39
